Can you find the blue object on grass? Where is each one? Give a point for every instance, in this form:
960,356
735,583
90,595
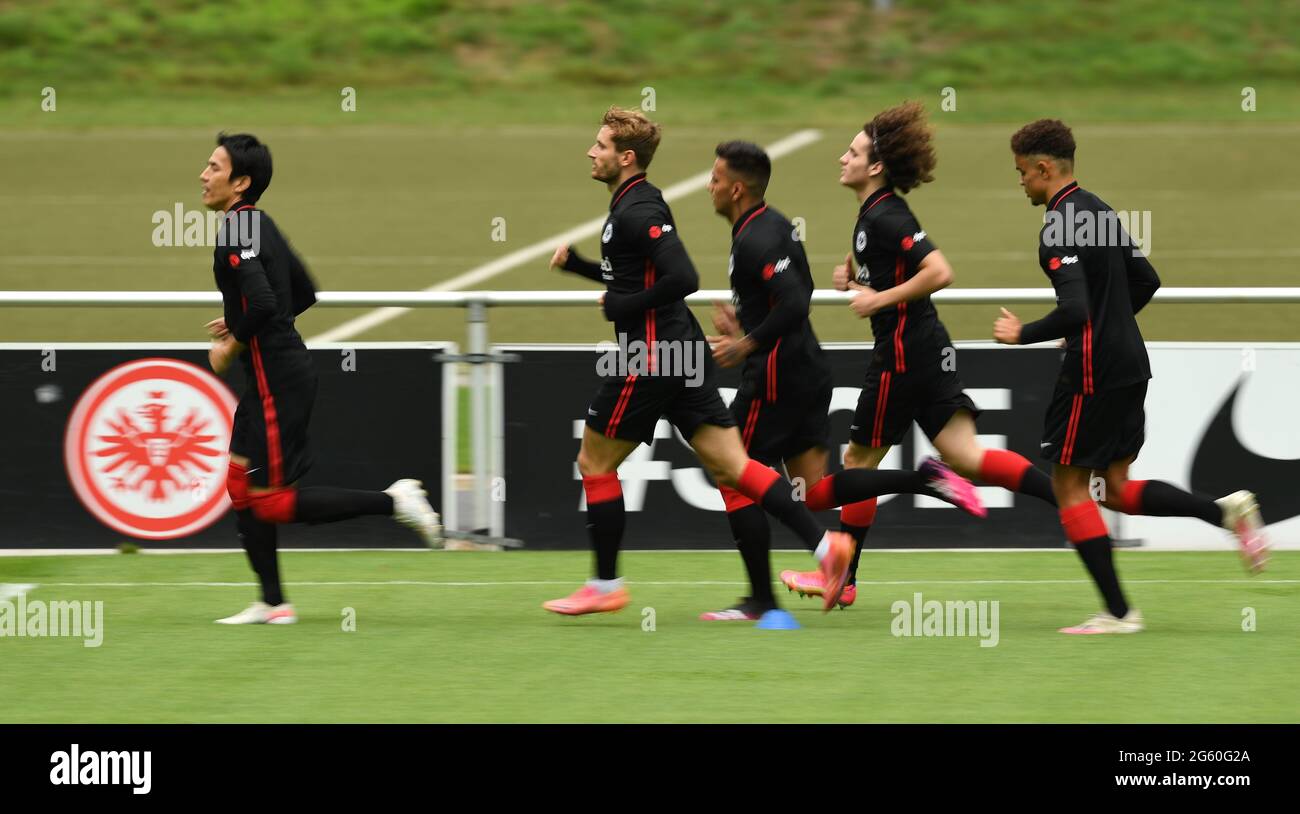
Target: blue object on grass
777,619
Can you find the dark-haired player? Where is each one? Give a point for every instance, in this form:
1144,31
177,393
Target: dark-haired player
264,285
910,377
1096,421
784,398
647,275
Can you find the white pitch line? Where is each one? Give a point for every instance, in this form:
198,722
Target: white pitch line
545,246
510,583
9,590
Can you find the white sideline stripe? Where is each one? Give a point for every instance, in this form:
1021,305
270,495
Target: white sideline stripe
510,583
9,590
541,248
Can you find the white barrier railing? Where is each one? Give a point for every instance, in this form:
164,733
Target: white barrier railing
484,367
461,299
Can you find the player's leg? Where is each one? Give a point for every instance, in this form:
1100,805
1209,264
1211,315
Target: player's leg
887,406
868,445
405,501
723,454
258,538
750,530
1084,433
856,518
598,461
960,448
753,534
275,496
1237,512
321,504
861,484
883,416
1086,530
622,414
255,537
809,466
856,513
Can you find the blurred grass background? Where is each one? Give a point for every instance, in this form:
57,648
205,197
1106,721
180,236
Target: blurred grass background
468,112
823,47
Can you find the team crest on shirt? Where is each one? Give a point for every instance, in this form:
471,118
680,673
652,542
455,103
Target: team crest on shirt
609,232
861,242
146,448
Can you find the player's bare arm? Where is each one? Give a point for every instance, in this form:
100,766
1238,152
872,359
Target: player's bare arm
933,274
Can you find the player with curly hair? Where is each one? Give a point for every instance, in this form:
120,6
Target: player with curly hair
898,268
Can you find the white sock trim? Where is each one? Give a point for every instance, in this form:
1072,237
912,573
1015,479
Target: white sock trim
823,548
606,585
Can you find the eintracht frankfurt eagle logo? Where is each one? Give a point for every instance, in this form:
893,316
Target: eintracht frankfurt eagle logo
147,447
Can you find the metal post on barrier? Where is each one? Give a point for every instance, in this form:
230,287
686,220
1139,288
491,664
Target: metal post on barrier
478,347
487,528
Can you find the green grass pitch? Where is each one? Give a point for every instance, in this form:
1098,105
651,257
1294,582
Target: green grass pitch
460,637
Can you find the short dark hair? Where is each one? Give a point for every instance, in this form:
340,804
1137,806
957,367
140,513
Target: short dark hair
1049,137
749,162
250,157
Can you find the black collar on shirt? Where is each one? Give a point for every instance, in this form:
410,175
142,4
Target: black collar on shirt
1061,193
744,219
874,198
239,227
235,207
624,187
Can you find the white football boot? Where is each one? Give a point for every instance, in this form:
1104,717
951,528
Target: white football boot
260,613
1241,517
1105,623
411,508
